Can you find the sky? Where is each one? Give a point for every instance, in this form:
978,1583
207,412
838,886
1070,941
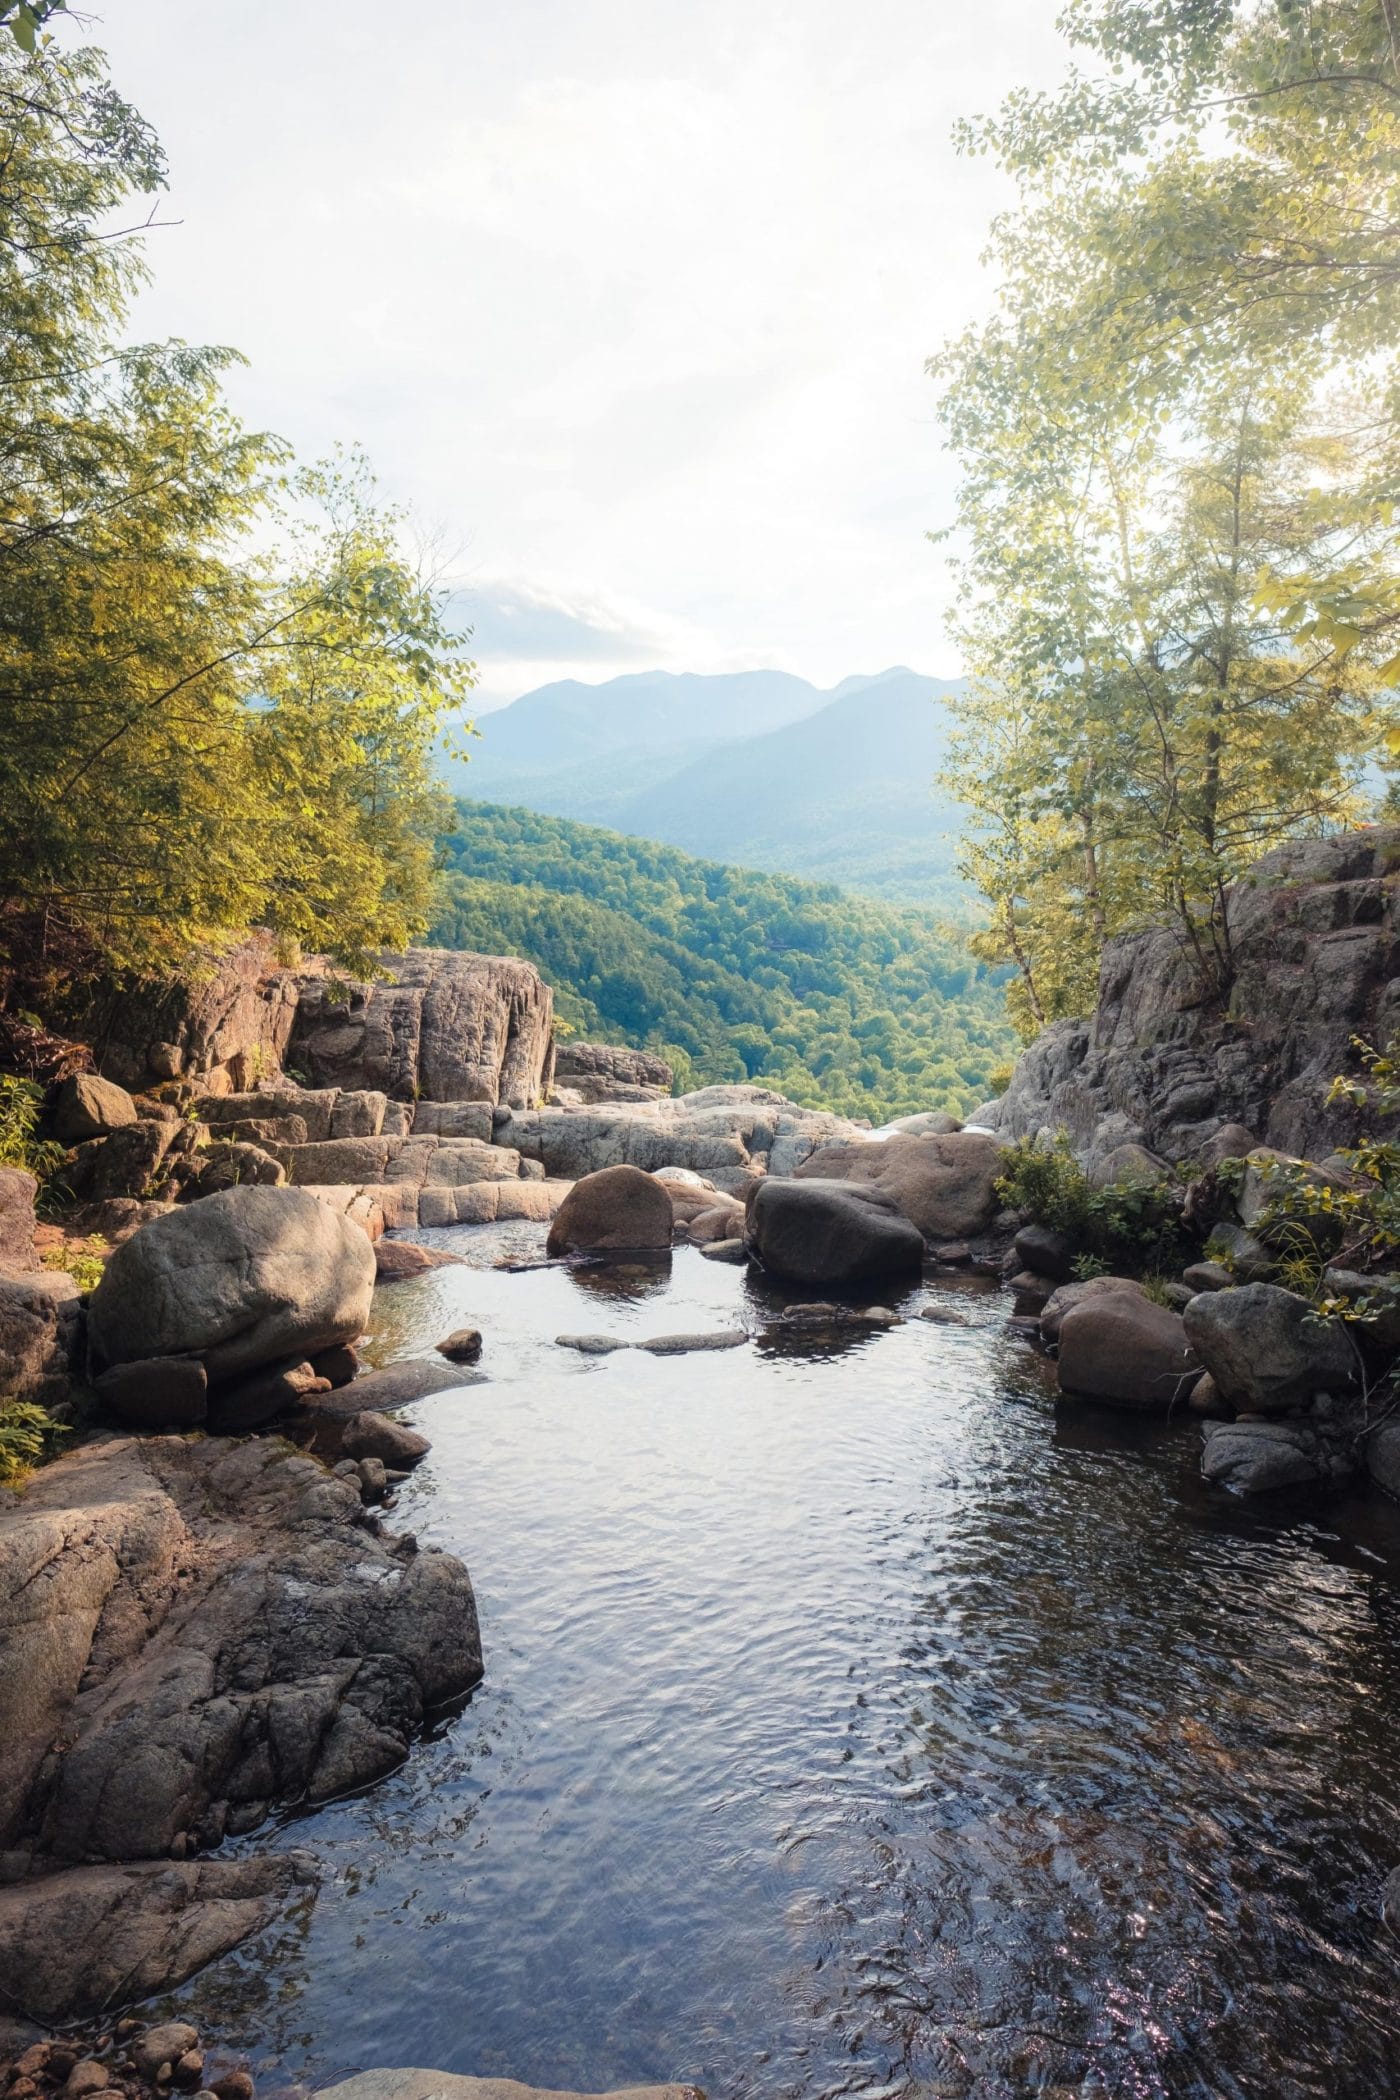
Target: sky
628,301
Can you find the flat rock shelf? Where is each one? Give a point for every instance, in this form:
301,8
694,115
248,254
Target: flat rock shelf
856,1718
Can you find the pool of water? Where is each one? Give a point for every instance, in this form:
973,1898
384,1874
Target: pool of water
855,1720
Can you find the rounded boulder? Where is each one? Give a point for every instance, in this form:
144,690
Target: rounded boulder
250,1277
618,1209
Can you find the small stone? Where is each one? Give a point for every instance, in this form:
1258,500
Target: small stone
86,2076
127,2028
160,2048
61,2062
819,1311
461,1347
953,1253
234,2085
35,2060
735,1251
189,2071
877,1316
21,2089
590,1344
373,1479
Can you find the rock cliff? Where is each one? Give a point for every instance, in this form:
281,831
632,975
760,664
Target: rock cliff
1314,942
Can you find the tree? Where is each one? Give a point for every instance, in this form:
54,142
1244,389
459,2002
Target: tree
214,711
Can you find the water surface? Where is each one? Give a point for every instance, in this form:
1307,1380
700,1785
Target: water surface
855,1720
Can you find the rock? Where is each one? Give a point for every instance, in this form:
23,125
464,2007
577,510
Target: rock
620,1209
439,1025
929,1122
684,1344
165,2044
1068,1295
446,2085
1207,1276
234,2085
462,1346
1231,1141
87,2076
944,1184
266,1131
452,1119
88,1107
1047,1252
132,1161
724,1221
158,1392
397,1385
1173,1062
395,1260
606,1072
117,1218
374,1479
1244,1258
1380,1330
952,1253
1261,1186
216,1632
17,1193
1123,1348
277,1390
591,1344
728,1135
1257,1458
1178,1295
77,1942
36,1334
1032,1291
238,1165
490,1202
832,1232
1129,1162
1383,1457
251,1277
735,1251
337,1366
1204,1397
371,1435
1264,1350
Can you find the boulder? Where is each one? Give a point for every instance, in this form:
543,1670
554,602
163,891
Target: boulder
372,1435
619,1209
1265,1351
79,1942
250,1277
337,1366
1379,1331
685,1344
1383,1457
929,1122
462,1346
453,1119
131,1162
37,1331
216,1632
266,1131
607,1072
276,1390
237,1165
1069,1295
1245,1258
396,1260
1048,1253
943,1183
591,1344
1125,1349
1207,1276
831,1232
733,1251
397,1385
89,1107
1230,1141
1261,1187
723,1221
17,1193
158,1392
1258,1458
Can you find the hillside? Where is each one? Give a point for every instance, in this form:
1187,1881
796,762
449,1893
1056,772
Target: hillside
755,768
732,973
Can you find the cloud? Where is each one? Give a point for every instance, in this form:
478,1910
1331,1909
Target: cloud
520,621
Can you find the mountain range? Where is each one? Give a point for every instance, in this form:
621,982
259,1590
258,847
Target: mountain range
756,768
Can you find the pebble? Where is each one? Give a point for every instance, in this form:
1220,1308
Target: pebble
88,2076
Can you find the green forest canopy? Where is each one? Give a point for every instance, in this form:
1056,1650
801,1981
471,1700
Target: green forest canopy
839,1002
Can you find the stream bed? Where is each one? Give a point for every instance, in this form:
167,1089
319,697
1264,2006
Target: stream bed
856,1719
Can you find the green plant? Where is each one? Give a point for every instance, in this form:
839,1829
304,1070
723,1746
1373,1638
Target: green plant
1135,1223
1352,1223
26,1432
1087,1266
84,1264
21,1105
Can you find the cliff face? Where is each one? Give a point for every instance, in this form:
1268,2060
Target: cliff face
1314,935
447,1026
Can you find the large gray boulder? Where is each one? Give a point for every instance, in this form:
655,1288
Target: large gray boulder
87,1106
250,1277
619,1208
215,1632
1127,1350
830,1232
1265,1350
1068,1295
943,1182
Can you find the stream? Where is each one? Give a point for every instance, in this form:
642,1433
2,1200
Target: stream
856,1719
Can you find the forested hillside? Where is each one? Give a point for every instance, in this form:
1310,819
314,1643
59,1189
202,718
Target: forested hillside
732,974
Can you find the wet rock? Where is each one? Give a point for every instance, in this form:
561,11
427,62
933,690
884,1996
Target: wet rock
1265,1350
159,1392
944,1184
723,1221
397,1259
89,1107
831,1232
1205,1397
953,1253
462,1346
1044,1251
618,1209
1126,1349
684,1344
251,1277
374,1479
234,2085
86,2077
591,1344
735,1251
1256,1457
943,1315
81,1940
1032,1292
337,1366
396,1385
371,1435
165,2044
215,1630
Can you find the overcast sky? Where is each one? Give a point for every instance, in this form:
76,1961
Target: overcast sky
628,299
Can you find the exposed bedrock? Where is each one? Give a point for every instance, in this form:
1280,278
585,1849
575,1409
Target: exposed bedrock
729,1134
192,1632
608,1072
943,1182
1167,1062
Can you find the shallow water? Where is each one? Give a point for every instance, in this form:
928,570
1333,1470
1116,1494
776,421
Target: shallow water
854,1720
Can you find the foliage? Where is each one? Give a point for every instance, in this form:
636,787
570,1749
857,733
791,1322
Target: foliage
1132,1222
223,684
27,1432
1353,1225
837,1001
84,1264
1179,438
21,1108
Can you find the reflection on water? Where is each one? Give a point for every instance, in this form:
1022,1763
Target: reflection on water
855,1720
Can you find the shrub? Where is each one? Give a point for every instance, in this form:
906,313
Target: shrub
21,1105
27,1432
1312,1223
1132,1223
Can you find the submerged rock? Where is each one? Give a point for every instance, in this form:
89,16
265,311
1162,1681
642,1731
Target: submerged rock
591,1344
1256,1458
684,1344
